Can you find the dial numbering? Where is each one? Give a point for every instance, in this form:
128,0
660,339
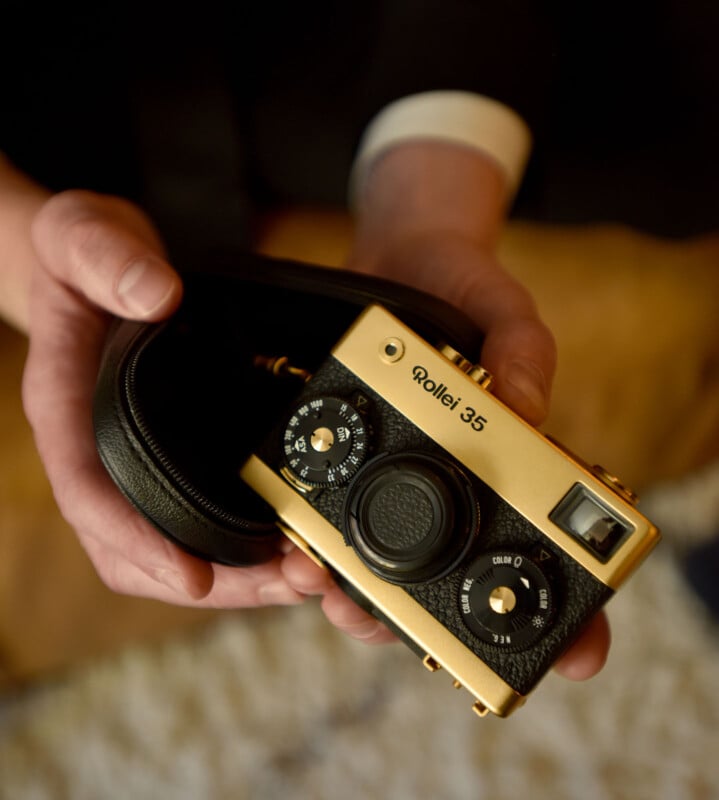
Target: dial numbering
325,442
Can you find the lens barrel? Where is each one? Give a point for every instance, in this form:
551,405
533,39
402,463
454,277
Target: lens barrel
410,516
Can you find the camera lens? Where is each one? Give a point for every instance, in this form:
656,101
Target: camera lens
410,516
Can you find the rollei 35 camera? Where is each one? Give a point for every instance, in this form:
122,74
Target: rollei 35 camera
483,544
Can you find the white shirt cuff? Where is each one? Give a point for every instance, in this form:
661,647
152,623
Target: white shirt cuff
463,118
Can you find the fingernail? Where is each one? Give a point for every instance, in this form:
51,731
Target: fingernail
286,546
529,380
145,286
364,630
278,594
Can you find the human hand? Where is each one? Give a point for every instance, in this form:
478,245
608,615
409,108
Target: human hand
98,256
431,219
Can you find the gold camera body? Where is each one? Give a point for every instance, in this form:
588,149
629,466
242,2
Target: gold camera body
528,541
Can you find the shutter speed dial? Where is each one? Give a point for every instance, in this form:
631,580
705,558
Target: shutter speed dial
325,442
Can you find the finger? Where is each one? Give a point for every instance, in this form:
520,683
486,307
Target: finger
232,587
519,350
307,577
248,587
586,657
135,559
520,353
304,575
346,615
104,248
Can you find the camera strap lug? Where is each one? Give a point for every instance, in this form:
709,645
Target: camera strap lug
430,664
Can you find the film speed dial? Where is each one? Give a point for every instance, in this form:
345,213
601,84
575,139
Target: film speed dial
324,443
506,599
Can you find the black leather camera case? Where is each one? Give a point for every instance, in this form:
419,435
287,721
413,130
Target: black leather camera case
181,404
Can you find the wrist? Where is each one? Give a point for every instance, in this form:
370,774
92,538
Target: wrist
420,189
462,118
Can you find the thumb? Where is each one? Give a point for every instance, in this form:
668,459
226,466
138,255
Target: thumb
106,249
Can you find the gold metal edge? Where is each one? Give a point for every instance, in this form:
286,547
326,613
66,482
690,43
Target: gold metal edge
525,468
431,636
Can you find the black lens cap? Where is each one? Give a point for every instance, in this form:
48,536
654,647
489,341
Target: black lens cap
410,516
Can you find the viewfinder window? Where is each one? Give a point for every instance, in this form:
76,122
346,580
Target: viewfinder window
593,523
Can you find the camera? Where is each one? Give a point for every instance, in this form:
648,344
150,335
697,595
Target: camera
483,544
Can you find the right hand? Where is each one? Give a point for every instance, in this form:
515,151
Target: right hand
430,217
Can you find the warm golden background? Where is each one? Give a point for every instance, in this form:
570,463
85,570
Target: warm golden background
637,391
128,698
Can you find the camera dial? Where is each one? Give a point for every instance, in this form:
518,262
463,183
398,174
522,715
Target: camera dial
506,599
410,516
324,442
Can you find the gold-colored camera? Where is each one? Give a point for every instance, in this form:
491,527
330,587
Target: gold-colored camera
482,543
